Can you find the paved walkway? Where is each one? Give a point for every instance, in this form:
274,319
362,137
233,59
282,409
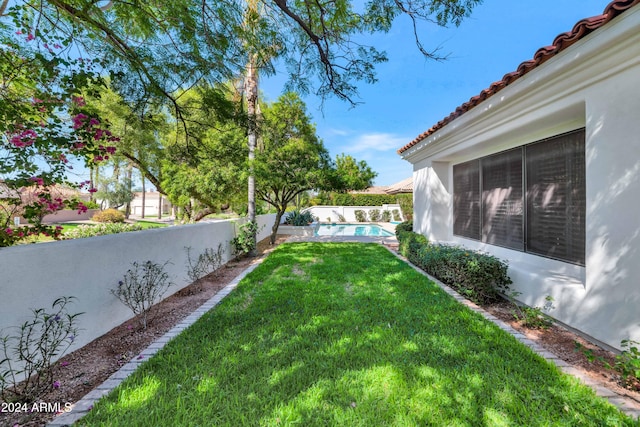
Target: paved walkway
80,408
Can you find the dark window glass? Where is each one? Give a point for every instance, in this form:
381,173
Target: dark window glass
502,201
466,199
547,219
556,197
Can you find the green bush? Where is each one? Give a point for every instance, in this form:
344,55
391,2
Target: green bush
360,215
410,243
396,215
108,215
298,218
406,205
87,230
386,216
479,277
374,215
350,199
404,226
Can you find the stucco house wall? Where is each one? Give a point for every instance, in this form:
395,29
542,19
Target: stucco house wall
592,84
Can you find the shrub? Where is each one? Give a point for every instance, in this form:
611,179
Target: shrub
360,215
207,262
628,362
108,215
410,243
404,226
298,218
245,241
406,205
479,277
386,216
374,215
30,353
396,215
86,230
341,218
142,286
350,199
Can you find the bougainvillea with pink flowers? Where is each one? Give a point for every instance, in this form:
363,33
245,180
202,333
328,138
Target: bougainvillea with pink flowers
44,123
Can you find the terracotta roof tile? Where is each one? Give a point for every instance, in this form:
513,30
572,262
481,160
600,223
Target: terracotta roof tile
561,42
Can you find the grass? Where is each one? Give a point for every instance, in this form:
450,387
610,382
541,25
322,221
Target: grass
347,334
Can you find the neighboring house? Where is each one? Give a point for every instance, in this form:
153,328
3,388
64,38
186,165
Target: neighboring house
404,186
542,169
152,201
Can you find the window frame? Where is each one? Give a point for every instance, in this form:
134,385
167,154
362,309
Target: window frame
566,140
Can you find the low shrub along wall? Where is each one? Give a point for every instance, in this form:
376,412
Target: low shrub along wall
480,277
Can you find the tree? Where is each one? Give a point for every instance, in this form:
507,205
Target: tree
154,51
353,175
292,160
210,172
44,124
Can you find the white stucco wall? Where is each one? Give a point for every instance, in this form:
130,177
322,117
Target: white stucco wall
33,276
348,212
593,84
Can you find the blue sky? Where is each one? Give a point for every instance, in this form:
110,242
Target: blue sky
412,93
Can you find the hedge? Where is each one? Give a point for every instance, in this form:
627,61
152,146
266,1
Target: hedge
480,277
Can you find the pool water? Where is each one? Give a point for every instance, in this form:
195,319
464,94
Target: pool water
351,230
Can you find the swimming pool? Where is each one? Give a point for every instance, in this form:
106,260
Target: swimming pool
351,230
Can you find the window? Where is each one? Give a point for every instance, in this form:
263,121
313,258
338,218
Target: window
490,202
556,197
466,199
502,208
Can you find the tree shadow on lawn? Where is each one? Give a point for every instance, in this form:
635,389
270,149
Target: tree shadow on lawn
355,342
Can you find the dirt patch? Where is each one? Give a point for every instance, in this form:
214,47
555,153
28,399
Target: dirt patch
562,342
84,369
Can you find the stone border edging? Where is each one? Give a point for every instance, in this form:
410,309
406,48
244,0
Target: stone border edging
624,404
84,405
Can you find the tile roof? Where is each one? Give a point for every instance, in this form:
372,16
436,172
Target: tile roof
404,186
561,42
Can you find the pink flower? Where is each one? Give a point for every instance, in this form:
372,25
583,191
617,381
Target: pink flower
94,122
64,363
9,231
98,159
56,384
82,208
110,150
24,139
98,134
37,180
30,37
78,120
57,46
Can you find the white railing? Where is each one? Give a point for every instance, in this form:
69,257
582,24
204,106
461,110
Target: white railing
33,276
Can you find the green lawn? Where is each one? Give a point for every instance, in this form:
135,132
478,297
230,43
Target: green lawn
347,335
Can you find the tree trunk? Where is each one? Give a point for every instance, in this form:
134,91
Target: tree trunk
276,224
144,197
251,89
159,205
207,211
127,209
